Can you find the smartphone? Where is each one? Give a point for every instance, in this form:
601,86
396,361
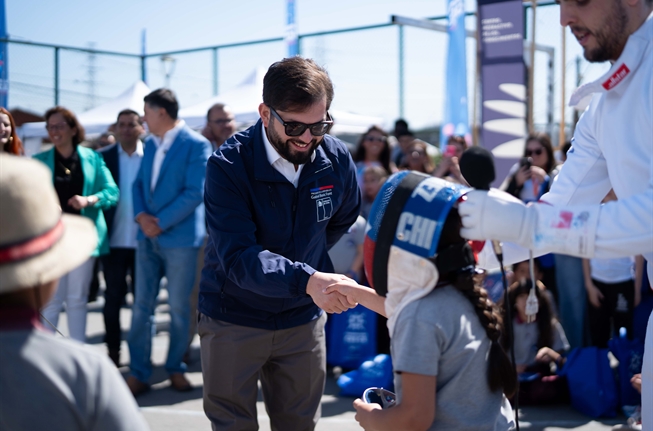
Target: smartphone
380,396
450,151
526,161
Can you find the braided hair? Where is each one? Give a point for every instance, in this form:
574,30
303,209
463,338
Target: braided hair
500,372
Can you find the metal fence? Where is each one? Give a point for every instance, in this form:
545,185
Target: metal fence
385,65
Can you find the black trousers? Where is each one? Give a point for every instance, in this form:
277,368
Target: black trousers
616,311
117,264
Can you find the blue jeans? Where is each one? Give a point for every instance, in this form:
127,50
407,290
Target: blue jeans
178,266
572,298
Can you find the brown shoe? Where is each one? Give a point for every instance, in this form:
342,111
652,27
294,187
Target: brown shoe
179,382
136,386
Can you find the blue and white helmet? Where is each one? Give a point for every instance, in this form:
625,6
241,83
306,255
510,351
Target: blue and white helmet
404,228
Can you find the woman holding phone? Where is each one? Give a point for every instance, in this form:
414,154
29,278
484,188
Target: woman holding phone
532,176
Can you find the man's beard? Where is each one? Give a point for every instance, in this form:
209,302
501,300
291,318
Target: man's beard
610,39
285,150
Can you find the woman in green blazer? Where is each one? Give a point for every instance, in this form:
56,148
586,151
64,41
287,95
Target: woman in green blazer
84,186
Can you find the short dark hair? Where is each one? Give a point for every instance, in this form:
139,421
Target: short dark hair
130,112
214,106
71,120
295,83
164,98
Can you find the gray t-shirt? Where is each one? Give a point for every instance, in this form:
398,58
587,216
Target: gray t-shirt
440,335
49,383
526,336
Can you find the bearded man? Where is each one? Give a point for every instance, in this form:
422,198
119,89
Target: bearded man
278,196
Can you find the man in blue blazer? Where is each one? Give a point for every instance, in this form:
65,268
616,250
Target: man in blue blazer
168,206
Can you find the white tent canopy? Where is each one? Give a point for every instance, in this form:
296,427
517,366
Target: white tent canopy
98,119
247,96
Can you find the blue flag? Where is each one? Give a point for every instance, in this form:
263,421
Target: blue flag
4,75
291,29
455,121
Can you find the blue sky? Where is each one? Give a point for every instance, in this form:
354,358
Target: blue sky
363,65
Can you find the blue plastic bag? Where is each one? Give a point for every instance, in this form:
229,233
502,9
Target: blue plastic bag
591,382
630,354
373,373
351,337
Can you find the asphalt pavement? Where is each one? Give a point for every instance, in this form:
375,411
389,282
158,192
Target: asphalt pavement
168,410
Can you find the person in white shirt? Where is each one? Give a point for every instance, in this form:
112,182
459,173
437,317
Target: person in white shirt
168,206
611,148
123,160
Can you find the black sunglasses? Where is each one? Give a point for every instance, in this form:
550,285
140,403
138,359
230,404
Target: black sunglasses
537,152
295,128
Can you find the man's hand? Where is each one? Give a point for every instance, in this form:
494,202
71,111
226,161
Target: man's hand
149,224
333,302
496,215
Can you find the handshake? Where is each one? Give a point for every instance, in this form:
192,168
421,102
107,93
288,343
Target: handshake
335,293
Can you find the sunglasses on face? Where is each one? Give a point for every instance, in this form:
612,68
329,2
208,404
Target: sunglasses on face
295,128
375,138
529,153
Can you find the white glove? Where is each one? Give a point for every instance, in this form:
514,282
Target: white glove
497,215
541,227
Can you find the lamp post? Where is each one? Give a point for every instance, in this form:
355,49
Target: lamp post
168,67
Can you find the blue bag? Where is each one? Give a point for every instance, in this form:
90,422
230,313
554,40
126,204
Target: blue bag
591,382
351,337
630,354
373,373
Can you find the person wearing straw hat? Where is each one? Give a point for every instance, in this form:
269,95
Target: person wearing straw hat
76,387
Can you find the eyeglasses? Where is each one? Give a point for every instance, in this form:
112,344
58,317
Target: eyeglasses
295,128
56,127
537,152
222,121
375,138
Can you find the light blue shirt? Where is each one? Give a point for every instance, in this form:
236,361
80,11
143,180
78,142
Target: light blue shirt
124,226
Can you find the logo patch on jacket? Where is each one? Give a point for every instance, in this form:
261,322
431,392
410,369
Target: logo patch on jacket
321,192
324,209
616,77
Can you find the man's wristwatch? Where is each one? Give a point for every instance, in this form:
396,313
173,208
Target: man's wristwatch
91,200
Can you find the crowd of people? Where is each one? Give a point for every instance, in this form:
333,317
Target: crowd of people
239,226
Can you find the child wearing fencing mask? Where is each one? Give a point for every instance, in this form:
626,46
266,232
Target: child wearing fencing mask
450,369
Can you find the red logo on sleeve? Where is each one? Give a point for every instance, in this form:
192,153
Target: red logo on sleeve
616,77
564,220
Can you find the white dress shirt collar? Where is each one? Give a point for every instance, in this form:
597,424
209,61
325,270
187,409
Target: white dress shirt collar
138,151
282,165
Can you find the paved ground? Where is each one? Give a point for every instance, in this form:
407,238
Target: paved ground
165,409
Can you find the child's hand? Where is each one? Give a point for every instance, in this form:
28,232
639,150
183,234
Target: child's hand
547,354
364,413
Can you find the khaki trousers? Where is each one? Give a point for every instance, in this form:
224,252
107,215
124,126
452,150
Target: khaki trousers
291,364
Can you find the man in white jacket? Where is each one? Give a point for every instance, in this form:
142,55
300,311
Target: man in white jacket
612,149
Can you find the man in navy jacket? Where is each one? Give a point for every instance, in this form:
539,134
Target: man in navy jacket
278,195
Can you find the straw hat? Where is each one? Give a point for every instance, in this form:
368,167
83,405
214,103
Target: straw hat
37,243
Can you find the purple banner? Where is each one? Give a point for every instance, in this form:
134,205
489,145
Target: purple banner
503,81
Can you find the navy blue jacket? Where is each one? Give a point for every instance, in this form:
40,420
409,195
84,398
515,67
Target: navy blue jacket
266,237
